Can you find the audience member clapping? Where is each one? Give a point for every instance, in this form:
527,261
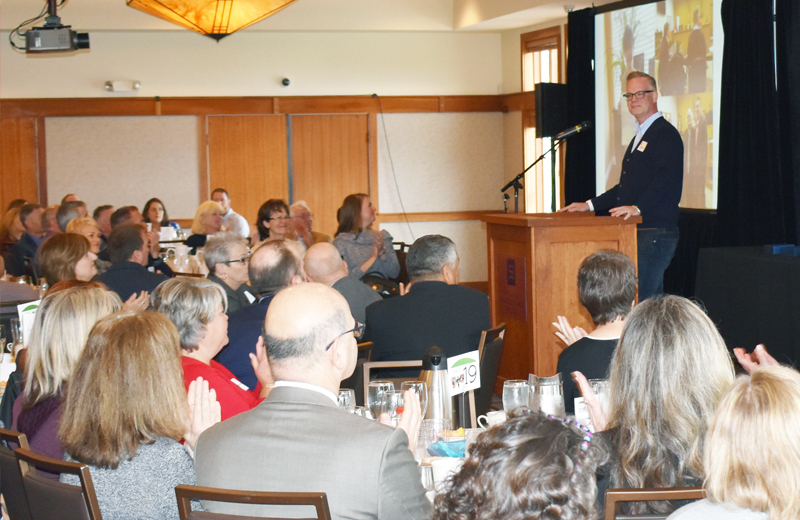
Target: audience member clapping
58,337
607,289
155,214
227,258
302,224
533,466
67,256
365,251
752,455
667,377
207,221
125,412
197,308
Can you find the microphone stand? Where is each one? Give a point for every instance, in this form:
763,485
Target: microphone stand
518,186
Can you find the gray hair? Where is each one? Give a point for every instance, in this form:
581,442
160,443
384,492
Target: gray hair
308,345
428,256
272,267
299,204
67,212
191,304
218,248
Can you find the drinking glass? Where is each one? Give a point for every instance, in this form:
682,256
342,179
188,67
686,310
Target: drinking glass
515,394
601,390
347,399
3,338
375,392
392,405
547,395
421,389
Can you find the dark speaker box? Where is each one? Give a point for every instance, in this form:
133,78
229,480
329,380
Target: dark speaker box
552,114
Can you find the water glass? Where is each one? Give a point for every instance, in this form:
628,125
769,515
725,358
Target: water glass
393,405
601,390
431,431
361,412
515,394
375,391
547,395
347,399
421,389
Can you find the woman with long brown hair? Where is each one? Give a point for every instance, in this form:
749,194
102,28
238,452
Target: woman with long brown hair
367,252
125,413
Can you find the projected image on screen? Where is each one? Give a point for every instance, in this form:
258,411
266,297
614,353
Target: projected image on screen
673,41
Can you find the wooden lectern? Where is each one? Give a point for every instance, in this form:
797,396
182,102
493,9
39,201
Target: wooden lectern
533,278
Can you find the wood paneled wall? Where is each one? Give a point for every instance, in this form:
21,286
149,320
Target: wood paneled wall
23,170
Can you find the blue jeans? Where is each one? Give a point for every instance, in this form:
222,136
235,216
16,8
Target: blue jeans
656,247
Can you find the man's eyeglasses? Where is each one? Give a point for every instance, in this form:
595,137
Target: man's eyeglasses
639,95
245,260
357,331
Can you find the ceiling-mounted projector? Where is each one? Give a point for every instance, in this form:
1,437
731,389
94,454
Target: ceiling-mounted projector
55,39
53,36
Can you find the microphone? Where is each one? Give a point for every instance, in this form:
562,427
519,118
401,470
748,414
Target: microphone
569,132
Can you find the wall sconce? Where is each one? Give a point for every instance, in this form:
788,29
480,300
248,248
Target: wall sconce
213,18
122,85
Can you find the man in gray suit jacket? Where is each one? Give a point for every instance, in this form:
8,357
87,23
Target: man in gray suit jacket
299,440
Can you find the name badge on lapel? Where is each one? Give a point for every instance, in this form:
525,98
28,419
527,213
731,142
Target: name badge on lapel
642,146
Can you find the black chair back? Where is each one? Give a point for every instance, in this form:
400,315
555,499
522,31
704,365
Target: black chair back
48,498
490,349
11,474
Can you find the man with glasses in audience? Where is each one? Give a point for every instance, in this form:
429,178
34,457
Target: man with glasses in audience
298,440
302,221
650,184
273,266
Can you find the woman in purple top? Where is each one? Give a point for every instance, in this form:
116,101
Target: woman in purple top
59,334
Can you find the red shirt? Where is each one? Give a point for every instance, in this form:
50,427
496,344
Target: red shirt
233,396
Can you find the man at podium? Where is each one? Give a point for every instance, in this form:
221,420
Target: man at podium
650,184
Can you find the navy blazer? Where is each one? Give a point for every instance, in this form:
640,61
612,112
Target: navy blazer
126,278
651,179
244,328
450,317
25,247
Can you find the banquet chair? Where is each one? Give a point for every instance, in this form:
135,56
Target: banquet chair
48,498
615,497
11,474
370,365
490,348
186,493
401,250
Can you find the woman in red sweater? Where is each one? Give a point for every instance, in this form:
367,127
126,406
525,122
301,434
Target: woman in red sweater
197,308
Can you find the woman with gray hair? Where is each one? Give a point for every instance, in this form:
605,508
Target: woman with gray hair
197,308
227,259
668,375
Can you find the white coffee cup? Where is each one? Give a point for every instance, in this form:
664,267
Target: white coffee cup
492,419
443,468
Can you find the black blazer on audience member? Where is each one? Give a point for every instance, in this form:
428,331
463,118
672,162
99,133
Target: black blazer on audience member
126,278
450,317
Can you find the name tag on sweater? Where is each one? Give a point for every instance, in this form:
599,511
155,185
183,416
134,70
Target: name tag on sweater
240,384
642,146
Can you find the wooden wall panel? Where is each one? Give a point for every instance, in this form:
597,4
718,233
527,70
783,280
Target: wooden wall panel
247,155
18,164
330,156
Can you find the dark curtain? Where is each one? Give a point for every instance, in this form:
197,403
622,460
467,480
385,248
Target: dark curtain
756,195
579,176
788,65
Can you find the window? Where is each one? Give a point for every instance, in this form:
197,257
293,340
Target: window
541,63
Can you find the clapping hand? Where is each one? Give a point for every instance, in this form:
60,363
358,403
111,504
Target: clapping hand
411,421
261,367
596,413
759,357
204,410
567,333
137,303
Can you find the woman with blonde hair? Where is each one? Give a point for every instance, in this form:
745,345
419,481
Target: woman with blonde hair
207,221
59,333
668,375
125,413
752,455
87,226
67,256
197,308
366,252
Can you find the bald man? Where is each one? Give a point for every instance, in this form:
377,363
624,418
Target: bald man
298,440
324,265
273,266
